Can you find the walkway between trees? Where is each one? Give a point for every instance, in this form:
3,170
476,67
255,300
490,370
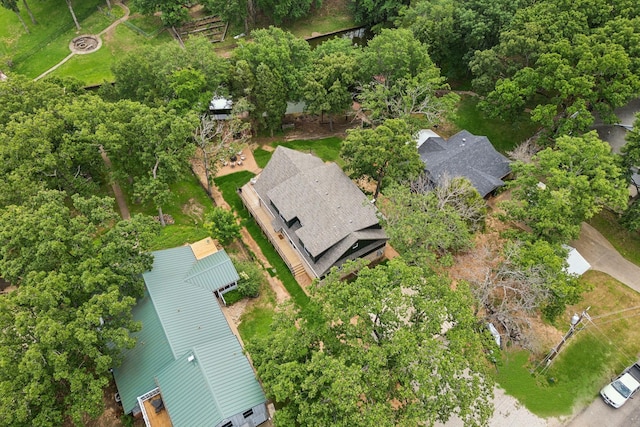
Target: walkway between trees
113,25
602,256
117,192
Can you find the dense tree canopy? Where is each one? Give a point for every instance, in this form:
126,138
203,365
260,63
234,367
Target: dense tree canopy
65,325
393,346
631,163
167,73
387,152
423,226
564,60
401,81
565,186
454,30
331,77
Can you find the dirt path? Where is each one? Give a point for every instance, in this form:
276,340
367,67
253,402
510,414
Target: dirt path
117,192
248,164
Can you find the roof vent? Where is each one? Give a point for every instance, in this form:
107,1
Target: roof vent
191,358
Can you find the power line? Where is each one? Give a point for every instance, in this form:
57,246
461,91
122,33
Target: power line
616,312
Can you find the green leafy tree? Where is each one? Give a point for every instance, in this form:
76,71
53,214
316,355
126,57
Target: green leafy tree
454,30
252,278
70,317
56,148
168,74
281,52
386,152
172,12
286,11
402,81
563,62
189,87
421,228
238,12
20,94
372,12
270,102
393,346
163,150
565,186
12,5
222,225
395,54
631,163
328,83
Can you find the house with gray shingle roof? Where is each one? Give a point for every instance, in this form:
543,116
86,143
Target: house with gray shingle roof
187,367
325,217
464,154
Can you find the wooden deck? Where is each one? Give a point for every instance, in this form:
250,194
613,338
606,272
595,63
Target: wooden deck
288,254
161,419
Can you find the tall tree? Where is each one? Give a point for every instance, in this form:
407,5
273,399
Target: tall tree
565,186
386,152
164,74
218,140
238,12
631,163
28,9
563,62
270,98
281,52
286,11
73,14
328,83
163,149
172,12
372,12
424,227
394,346
65,325
401,81
12,5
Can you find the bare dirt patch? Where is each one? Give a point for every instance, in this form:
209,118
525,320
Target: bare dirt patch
193,210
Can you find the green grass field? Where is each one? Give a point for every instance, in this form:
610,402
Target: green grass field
188,205
48,44
502,134
588,361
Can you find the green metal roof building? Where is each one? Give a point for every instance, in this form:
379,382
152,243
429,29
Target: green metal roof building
186,351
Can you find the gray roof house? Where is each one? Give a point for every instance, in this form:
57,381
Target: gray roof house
464,154
187,367
324,215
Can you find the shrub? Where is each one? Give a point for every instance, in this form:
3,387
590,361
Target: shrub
251,278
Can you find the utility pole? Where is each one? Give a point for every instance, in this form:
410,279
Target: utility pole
576,320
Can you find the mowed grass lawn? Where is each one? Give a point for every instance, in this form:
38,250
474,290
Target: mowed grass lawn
589,360
48,44
504,135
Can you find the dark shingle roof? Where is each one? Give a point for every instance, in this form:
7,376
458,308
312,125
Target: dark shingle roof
467,155
329,206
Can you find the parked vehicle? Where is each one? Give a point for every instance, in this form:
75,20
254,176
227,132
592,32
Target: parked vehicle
623,387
